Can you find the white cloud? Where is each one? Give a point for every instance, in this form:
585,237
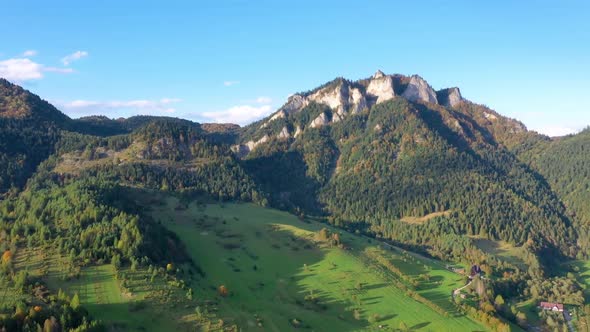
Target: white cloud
555,131
20,70
242,114
118,107
24,69
58,70
29,53
264,100
68,59
230,83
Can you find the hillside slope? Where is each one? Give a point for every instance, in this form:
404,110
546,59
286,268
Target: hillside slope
565,163
405,154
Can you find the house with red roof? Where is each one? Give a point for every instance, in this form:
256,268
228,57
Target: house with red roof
551,306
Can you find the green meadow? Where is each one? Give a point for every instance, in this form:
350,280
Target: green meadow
280,277
279,274
125,300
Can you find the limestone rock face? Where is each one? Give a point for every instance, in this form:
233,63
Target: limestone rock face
341,97
284,134
490,116
378,74
357,100
321,120
346,98
450,97
336,117
336,99
243,149
278,115
453,97
381,87
294,104
419,90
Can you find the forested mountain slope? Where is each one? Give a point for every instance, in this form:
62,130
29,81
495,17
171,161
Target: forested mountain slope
565,163
402,155
29,128
386,157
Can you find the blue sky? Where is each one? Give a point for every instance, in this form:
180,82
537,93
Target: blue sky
237,61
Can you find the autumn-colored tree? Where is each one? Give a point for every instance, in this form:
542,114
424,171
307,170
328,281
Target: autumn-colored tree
223,291
499,301
7,257
356,314
323,234
487,307
169,267
51,325
336,239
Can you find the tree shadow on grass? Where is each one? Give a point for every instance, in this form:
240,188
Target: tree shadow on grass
372,298
419,326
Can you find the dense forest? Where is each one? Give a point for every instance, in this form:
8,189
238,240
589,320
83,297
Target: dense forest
425,177
400,160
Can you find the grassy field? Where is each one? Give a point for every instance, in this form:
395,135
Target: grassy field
142,305
502,250
423,219
279,274
279,277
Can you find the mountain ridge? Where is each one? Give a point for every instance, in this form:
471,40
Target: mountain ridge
344,97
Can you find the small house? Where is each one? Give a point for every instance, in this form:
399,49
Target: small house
475,271
551,306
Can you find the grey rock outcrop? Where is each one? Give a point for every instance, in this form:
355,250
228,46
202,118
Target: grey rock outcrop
321,120
419,90
284,134
243,149
454,97
341,97
294,103
381,87
357,101
346,98
450,97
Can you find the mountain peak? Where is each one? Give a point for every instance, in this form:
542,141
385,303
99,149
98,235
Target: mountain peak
345,97
18,103
419,90
378,74
449,97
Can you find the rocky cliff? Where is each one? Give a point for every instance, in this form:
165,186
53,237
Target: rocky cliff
344,97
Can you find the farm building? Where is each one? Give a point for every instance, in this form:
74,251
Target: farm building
551,306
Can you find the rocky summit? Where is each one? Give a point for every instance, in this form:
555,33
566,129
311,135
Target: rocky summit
344,97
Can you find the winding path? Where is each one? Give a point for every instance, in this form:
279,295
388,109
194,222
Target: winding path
458,290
